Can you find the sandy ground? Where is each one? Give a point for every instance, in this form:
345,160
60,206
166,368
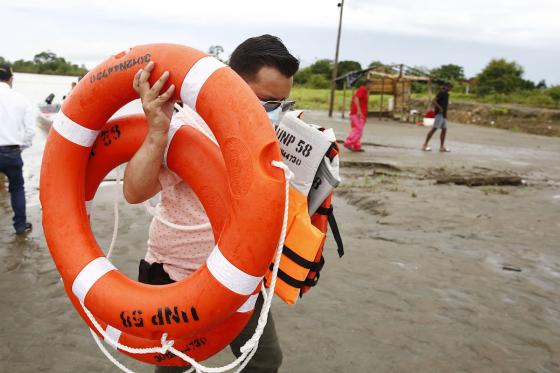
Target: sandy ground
421,287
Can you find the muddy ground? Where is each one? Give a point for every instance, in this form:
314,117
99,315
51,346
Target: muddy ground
436,277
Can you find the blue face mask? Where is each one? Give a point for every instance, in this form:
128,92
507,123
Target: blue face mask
274,115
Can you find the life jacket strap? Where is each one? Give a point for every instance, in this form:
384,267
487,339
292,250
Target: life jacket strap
301,261
298,284
334,227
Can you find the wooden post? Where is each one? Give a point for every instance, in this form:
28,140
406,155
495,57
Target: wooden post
382,91
343,109
335,67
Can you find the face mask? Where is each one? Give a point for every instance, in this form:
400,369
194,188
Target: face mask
274,115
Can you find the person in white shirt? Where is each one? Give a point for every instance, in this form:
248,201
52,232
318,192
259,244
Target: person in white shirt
16,133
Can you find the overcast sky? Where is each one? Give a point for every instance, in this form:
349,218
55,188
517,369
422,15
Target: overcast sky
425,33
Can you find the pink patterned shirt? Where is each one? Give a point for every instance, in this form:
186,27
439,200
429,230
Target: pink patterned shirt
180,252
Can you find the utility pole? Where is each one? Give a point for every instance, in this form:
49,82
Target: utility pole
335,67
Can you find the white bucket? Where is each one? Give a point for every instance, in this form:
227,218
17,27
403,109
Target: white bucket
428,122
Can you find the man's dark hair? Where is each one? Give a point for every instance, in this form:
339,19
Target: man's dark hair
265,50
5,72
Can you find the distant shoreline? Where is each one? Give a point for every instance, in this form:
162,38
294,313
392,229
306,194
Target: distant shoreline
50,74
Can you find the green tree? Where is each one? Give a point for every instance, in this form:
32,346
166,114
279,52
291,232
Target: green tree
500,76
554,93
318,81
307,75
49,63
344,67
45,57
322,67
302,76
449,72
375,64
542,85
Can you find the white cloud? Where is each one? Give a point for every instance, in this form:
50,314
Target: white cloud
87,31
515,22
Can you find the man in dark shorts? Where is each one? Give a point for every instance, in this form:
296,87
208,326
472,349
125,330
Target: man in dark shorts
440,102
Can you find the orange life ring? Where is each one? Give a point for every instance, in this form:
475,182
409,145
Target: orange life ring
121,139
253,217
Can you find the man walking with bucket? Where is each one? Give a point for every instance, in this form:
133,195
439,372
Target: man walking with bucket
440,102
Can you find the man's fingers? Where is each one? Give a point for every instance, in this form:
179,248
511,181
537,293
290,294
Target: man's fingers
136,81
144,74
167,94
149,67
140,82
159,83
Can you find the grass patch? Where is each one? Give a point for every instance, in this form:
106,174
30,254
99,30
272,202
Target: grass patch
318,99
499,111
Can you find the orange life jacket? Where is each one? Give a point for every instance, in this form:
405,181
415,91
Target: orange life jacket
310,194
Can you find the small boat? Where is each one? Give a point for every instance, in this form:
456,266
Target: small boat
47,111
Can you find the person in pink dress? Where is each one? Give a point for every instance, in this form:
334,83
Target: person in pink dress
358,117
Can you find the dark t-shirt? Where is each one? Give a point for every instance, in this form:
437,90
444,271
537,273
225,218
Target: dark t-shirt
442,99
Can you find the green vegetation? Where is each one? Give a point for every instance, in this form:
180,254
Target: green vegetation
501,77
47,63
315,98
536,98
449,73
318,99
500,82
319,74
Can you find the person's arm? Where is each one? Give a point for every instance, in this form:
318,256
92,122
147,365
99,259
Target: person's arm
29,126
436,104
141,175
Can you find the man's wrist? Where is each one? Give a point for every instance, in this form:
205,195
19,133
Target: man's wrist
157,137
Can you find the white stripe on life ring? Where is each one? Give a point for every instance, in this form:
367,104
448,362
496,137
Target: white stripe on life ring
249,304
73,131
89,275
196,77
114,334
173,128
229,275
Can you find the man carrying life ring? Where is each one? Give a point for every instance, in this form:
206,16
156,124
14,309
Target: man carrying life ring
268,68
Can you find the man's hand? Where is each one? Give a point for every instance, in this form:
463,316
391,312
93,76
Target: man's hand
157,107
141,180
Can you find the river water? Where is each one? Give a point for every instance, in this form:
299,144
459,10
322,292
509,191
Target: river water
36,88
